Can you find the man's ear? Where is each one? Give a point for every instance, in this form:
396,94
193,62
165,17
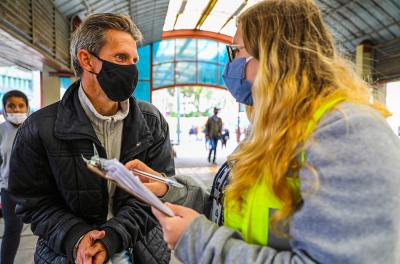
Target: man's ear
84,58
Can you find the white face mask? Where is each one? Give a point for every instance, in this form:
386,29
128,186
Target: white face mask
16,118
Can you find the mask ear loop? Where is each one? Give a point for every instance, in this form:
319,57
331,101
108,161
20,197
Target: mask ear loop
94,55
97,57
249,59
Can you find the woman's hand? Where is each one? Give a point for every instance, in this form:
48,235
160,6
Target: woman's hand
158,188
174,227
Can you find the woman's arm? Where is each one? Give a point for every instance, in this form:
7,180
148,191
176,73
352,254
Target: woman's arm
352,216
206,242
193,195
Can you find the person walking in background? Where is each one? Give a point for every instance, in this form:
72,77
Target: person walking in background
213,133
15,107
193,133
224,137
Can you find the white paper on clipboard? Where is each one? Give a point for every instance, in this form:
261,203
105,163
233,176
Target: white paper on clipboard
125,179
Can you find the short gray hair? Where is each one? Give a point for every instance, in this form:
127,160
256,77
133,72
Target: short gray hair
91,34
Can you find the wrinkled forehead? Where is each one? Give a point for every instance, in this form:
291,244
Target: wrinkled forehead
119,40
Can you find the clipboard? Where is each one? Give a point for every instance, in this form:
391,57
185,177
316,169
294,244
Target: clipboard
125,180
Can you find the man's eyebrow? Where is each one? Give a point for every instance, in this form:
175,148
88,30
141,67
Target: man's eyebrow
121,53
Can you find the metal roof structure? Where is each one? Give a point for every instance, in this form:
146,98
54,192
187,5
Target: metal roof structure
354,21
351,21
376,22
148,15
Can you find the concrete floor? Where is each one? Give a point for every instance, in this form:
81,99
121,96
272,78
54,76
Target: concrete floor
191,161
26,246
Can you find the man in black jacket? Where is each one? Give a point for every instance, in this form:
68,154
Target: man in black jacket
77,215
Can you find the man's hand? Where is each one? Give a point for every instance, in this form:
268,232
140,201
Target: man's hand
158,188
174,227
96,254
83,255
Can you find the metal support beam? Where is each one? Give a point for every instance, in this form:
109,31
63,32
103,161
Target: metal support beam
237,11
206,13
181,10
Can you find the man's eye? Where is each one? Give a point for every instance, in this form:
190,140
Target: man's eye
121,57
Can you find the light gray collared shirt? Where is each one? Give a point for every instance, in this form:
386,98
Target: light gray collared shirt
108,130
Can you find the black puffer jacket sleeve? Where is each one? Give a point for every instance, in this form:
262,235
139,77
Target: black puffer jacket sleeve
132,221
36,193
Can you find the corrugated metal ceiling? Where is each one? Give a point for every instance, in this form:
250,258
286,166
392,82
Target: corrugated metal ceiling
351,21
148,15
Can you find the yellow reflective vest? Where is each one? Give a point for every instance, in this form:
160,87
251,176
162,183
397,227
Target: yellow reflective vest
252,221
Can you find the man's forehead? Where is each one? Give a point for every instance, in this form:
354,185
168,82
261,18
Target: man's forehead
120,38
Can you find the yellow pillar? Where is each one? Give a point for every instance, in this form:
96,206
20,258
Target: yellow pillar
50,87
365,68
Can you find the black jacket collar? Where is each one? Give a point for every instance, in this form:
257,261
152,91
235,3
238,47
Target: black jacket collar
72,123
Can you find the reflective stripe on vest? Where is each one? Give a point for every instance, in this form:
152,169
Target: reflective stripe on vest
253,219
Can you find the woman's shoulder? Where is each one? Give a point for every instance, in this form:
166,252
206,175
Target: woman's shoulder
354,133
351,117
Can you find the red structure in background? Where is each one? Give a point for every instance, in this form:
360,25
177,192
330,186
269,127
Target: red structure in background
199,34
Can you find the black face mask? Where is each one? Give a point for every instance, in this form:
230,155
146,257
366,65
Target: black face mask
117,81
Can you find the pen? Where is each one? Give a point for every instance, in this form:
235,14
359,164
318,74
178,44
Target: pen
167,181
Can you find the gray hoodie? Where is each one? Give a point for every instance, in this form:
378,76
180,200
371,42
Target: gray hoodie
7,135
352,217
